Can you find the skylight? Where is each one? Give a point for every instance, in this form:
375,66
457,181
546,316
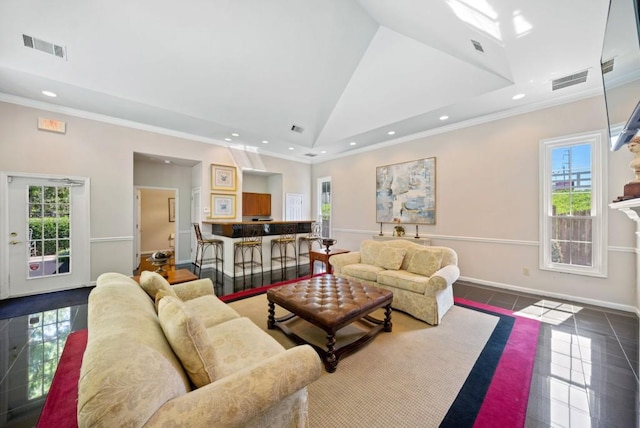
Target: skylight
479,14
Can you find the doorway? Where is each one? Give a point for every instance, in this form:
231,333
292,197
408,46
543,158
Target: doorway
156,220
47,234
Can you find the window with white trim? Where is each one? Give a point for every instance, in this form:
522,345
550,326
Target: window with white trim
573,235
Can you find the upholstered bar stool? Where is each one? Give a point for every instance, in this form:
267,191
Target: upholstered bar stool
247,254
314,236
286,240
217,249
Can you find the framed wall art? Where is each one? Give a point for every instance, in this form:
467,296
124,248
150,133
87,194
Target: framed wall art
223,177
223,206
406,192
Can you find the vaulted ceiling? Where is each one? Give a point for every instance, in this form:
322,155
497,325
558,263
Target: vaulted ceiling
342,73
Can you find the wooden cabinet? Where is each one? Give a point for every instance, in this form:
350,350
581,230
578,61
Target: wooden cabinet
256,204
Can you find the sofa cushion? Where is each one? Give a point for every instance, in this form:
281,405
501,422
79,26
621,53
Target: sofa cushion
188,338
404,280
152,282
211,310
390,257
369,251
362,271
424,261
239,344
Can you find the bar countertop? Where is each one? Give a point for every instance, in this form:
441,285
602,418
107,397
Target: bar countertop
233,229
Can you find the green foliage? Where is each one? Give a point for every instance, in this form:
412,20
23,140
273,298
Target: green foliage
49,228
572,203
326,211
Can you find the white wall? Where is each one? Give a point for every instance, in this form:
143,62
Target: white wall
104,152
487,194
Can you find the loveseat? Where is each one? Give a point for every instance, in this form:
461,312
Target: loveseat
193,361
421,277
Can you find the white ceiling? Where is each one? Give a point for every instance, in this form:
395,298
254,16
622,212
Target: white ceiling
343,70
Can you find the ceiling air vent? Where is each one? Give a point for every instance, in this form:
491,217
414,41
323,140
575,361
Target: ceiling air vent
296,128
477,45
44,46
310,155
570,80
607,66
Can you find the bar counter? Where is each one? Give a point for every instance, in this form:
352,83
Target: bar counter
231,231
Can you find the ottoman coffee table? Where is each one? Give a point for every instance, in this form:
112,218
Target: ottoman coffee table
330,303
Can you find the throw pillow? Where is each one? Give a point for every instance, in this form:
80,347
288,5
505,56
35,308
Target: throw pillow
391,257
424,261
188,338
153,282
163,293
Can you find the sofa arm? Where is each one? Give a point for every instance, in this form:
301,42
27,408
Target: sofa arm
236,399
341,260
443,278
192,289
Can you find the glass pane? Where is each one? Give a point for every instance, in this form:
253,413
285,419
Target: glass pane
50,194
560,228
581,229
581,254
49,228
560,251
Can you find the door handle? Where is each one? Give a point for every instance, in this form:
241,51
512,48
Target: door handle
15,242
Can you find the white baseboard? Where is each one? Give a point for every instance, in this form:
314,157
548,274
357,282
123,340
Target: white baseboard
541,293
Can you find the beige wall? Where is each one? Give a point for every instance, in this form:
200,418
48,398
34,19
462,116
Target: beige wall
155,226
488,201
104,152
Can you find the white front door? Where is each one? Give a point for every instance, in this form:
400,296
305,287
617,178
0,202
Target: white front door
46,236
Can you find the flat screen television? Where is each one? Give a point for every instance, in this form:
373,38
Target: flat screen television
621,62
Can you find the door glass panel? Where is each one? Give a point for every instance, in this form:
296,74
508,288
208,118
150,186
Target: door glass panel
49,250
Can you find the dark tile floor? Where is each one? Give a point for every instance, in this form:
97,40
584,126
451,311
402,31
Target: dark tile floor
585,373
586,367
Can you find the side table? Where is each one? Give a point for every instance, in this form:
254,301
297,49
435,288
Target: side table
323,256
175,276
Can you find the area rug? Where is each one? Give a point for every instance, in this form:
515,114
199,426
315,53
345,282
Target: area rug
474,370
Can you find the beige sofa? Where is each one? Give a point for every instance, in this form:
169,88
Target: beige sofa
193,363
421,277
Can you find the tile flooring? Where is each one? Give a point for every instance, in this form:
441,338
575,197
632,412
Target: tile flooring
586,367
585,373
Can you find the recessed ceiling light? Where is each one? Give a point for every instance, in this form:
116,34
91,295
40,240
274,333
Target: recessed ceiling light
228,139
517,96
291,148
323,151
444,117
353,143
49,94
167,161
265,142
391,132
235,134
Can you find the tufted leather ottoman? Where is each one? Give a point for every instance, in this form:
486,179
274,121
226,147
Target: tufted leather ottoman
330,303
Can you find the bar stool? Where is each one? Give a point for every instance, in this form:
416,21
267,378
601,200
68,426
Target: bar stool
315,235
287,239
246,251
217,246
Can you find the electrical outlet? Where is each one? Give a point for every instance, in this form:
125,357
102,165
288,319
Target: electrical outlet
525,271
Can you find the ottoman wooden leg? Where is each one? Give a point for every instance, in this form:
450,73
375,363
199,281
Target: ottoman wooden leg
271,321
330,359
387,318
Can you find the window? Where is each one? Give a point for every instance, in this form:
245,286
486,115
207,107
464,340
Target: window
572,232
324,205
